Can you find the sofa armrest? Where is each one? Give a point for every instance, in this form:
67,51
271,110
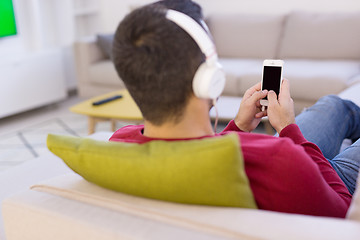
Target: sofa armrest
34,215
69,207
351,93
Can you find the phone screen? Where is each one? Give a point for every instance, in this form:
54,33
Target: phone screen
271,79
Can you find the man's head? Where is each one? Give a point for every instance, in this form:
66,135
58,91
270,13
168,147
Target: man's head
157,60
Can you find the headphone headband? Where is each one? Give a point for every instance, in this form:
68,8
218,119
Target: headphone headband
193,28
209,79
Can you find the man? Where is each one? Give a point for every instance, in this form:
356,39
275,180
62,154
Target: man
157,61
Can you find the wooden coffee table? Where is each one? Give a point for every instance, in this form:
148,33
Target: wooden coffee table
124,109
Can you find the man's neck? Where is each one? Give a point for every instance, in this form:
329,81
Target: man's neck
195,123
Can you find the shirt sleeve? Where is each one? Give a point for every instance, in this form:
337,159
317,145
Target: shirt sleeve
231,127
333,186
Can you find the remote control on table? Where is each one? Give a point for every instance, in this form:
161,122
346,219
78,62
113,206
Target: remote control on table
106,100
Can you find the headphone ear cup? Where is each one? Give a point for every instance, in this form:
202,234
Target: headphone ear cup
209,81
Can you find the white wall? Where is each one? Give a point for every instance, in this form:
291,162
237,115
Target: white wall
53,27
33,59
13,45
42,25
112,11
278,6
46,24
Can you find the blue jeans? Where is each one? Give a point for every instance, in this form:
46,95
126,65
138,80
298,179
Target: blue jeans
327,124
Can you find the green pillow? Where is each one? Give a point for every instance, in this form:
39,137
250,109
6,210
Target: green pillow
208,171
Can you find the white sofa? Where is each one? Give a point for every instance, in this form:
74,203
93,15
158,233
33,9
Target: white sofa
68,207
321,53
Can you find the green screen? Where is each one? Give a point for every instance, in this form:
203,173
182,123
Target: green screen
7,18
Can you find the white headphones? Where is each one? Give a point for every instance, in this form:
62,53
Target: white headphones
209,79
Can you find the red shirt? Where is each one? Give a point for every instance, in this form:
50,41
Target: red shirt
286,173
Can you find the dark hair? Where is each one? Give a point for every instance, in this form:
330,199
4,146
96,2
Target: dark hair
157,60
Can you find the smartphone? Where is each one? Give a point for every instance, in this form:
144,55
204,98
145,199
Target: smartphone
271,77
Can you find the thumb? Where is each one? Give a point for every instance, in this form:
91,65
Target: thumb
272,98
258,95
285,89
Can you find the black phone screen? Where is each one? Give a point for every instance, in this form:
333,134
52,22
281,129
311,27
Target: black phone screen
271,79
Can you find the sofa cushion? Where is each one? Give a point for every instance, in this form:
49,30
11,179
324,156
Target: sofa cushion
245,35
104,73
321,36
209,171
355,79
352,94
235,69
309,79
105,42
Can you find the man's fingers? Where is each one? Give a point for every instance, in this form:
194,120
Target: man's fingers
285,89
257,96
258,105
252,90
261,114
272,98
257,86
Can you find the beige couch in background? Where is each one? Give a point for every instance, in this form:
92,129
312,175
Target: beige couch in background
321,54
95,72
321,51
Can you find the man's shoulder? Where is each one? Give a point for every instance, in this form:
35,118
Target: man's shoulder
130,133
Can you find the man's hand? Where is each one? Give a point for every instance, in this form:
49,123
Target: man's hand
281,111
250,114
